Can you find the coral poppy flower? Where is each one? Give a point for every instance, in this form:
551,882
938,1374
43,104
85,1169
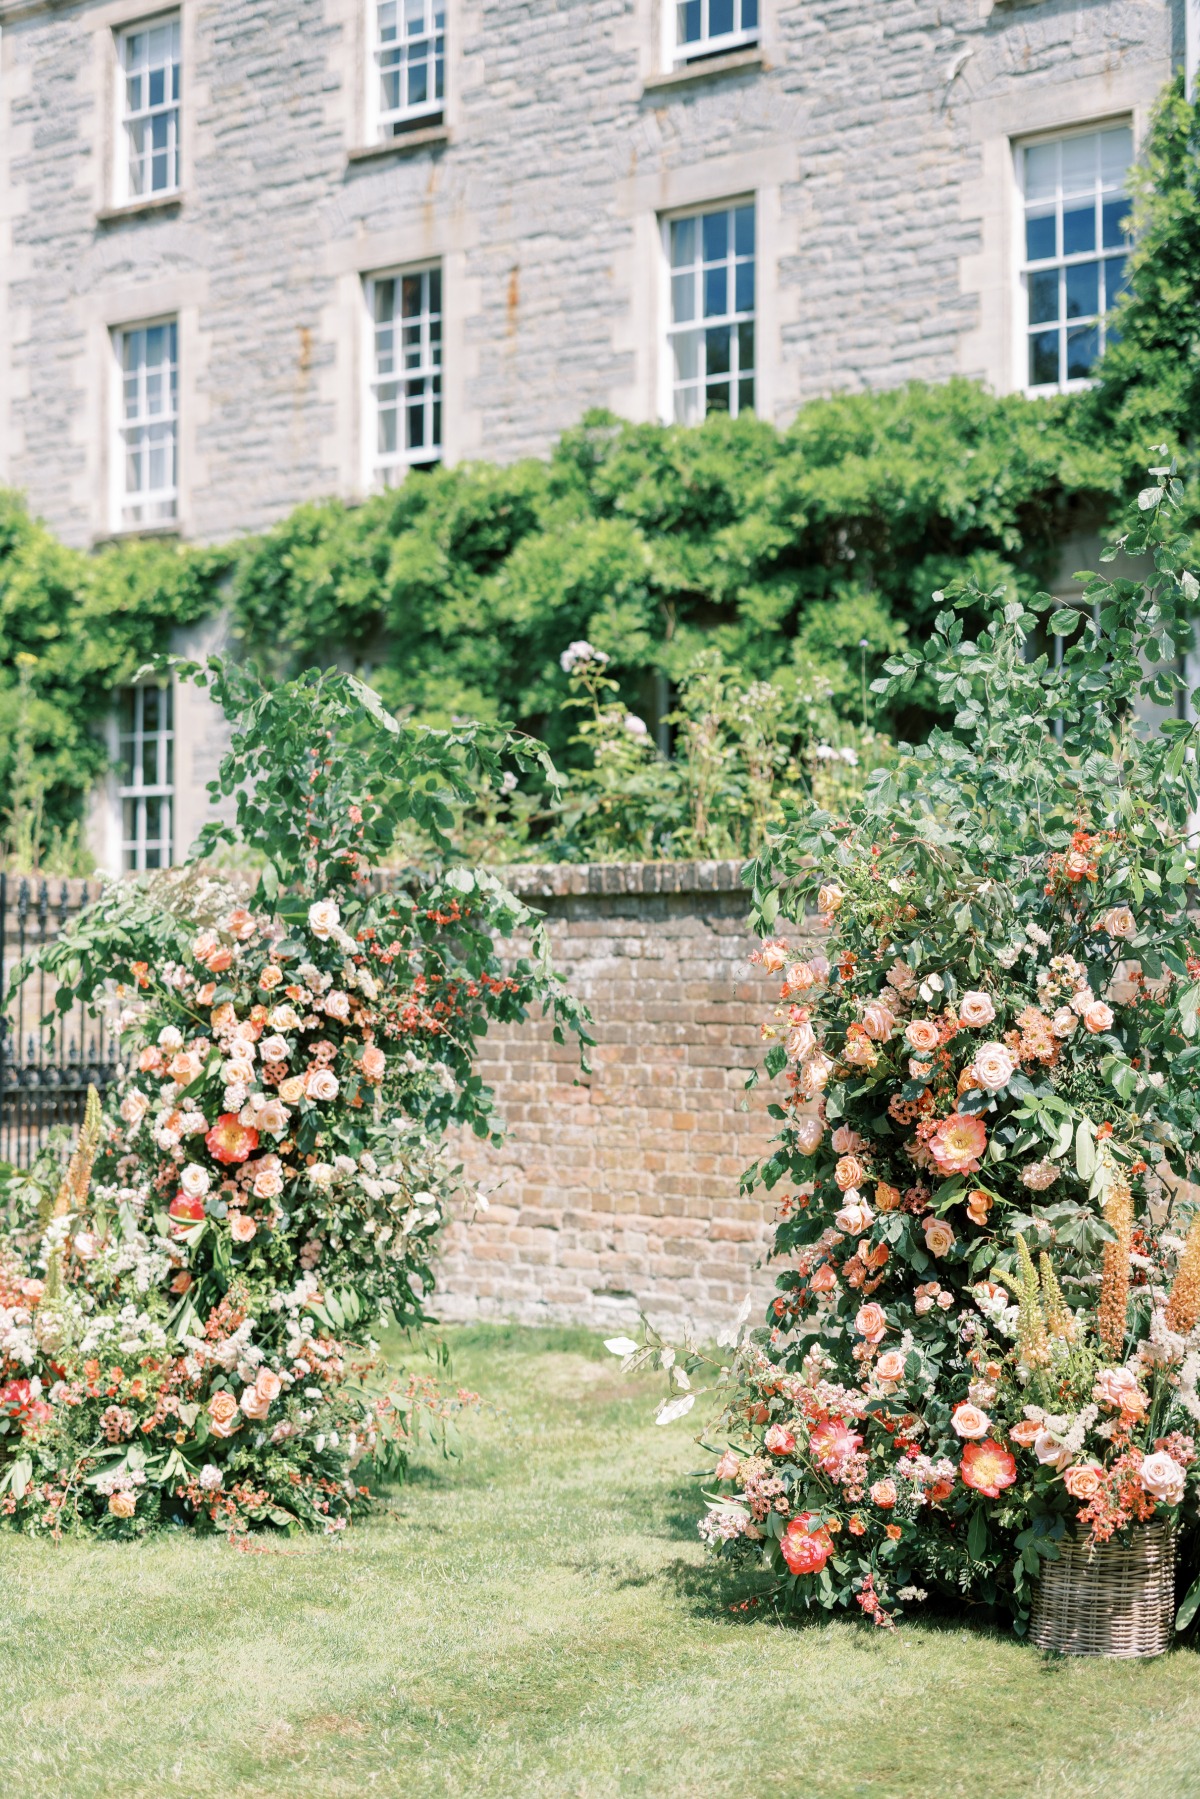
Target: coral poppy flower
987,1467
229,1141
804,1549
185,1213
831,1443
957,1144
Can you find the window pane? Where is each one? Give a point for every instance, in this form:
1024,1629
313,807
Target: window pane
749,15
1043,358
744,288
714,292
717,397
1079,164
1041,171
1083,347
683,298
1043,297
746,395
1040,238
716,350
1114,214
743,224
716,236
1083,290
683,242
1079,229
745,343
1115,275
720,17
1116,154
687,355
688,408
689,21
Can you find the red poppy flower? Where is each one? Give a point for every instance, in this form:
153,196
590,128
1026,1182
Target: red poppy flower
806,1550
229,1141
987,1467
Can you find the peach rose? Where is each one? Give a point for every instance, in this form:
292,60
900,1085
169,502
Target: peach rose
727,1467
871,1321
219,959
122,1504
809,1132
878,1021
890,1365
1097,1017
1063,1022
799,978
922,1034
274,1049
1163,1478
887,1198
134,1106
800,1042
979,1204
1049,1451
883,1494
1026,1433
1119,921
824,1280
993,1066
939,1236
849,1172
241,1228
272,1117
815,1073
859,1052
830,899
970,1422
773,955
150,1060
321,1084
254,1404
976,1010
1083,1481
779,1440
374,1063
1118,1388
268,1179
291,1091
337,1004
270,978
268,1385
240,924
237,1072
855,1216
223,1418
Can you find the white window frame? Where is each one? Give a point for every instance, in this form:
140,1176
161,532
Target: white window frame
710,43
1027,267
126,194
147,507
388,468
732,317
134,850
387,123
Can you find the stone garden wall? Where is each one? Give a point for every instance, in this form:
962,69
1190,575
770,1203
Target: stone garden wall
617,1192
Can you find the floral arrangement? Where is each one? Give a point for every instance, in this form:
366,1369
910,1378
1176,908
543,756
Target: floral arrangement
986,1327
188,1327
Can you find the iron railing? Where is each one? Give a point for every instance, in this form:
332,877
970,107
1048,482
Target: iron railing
45,1070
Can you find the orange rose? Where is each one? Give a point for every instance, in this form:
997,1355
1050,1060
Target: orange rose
223,1415
1026,1433
887,1199
871,1322
849,1172
1083,1481
923,1034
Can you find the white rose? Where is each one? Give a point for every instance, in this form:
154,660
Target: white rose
321,1174
134,1107
284,1018
1163,1477
274,1049
994,1066
170,1038
1119,921
324,918
976,1010
337,1004
195,1180
321,1084
1063,1022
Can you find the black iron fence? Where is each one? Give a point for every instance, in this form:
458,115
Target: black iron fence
45,1070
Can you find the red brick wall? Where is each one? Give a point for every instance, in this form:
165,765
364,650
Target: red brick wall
617,1192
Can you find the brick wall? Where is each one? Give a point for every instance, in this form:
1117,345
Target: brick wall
617,1192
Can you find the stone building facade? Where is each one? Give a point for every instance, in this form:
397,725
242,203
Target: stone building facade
254,253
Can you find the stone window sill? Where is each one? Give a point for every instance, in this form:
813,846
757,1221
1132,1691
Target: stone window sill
137,209
689,74
426,139
125,532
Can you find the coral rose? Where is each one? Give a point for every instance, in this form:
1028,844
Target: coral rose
887,1198
849,1172
773,955
871,1321
1163,1478
890,1366
241,1228
970,1422
976,1010
922,1034
957,1144
988,1468
979,1204
993,1066
939,1236
883,1494
229,1141
824,1280
223,1417
779,1440
122,1504
808,1135
240,924
374,1063
878,1021
1097,1017
806,1545
1083,1481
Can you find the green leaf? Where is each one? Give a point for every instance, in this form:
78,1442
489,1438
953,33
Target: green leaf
977,1535
1189,1608
1085,1150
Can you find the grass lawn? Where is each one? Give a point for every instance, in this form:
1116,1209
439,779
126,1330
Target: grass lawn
536,1619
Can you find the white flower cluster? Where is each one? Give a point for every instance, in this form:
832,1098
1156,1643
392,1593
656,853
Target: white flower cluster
581,651
128,1331
723,1523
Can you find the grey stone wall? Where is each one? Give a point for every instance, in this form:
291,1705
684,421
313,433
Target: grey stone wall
873,134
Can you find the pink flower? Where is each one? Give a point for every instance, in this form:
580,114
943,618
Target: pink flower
809,1132
939,1236
223,1418
831,1444
773,955
976,1010
273,1117
727,1467
800,1042
241,1228
871,1322
889,1366
1063,1022
993,1066
374,1063
779,1439
268,1384
987,1468
253,1404
855,1216
878,1021
883,1494
1097,1017
1163,1478
922,1034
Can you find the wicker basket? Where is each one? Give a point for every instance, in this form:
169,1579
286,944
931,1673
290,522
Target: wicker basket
1113,1599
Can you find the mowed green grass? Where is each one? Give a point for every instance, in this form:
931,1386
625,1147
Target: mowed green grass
536,1619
